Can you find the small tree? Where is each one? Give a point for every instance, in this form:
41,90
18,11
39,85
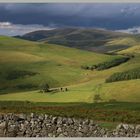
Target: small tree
112,100
97,98
44,87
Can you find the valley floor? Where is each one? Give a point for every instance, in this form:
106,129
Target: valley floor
83,92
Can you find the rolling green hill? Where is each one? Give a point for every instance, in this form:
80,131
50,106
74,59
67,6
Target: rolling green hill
97,40
31,64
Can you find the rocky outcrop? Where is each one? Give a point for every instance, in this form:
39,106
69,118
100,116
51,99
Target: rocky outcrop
33,125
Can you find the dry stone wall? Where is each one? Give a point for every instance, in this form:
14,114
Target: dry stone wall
33,125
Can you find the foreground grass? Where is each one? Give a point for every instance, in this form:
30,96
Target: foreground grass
113,112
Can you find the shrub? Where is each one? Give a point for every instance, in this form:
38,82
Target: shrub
97,98
26,86
44,87
112,100
15,74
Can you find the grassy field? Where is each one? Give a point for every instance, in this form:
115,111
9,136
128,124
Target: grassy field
83,93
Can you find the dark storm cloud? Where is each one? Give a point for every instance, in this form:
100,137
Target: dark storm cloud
112,16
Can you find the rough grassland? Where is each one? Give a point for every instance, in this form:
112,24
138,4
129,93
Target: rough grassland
107,114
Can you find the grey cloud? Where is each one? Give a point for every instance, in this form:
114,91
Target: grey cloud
112,16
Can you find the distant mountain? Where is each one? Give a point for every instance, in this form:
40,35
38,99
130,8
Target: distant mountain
82,38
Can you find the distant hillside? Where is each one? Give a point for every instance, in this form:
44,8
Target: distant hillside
87,39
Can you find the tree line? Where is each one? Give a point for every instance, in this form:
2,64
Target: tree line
15,74
127,75
107,65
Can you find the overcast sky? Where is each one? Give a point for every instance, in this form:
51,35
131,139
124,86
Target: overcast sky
21,18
